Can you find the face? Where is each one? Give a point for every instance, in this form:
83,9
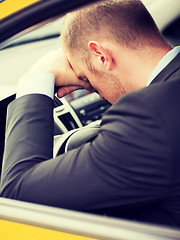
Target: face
104,82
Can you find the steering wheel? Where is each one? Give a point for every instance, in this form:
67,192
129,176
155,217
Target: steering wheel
75,138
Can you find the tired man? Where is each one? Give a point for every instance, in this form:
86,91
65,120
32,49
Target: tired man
131,169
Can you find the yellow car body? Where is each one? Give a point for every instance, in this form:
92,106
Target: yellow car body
8,7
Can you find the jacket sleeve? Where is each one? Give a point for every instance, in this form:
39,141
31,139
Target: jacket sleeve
125,166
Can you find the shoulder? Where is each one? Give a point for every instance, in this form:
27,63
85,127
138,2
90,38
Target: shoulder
149,110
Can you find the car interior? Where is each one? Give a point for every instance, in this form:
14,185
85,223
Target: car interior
77,116
76,110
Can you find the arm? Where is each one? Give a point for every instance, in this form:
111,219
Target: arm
125,166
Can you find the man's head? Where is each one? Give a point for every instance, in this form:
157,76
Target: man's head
95,38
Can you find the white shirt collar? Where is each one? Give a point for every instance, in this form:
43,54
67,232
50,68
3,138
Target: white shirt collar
163,63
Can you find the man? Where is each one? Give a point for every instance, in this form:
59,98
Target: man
131,169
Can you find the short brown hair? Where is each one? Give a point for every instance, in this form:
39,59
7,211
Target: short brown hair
124,21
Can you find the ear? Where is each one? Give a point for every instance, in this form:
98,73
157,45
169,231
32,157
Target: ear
102,53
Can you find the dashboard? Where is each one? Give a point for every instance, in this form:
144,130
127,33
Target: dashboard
77,110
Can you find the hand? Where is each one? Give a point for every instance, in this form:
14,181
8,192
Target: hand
56,63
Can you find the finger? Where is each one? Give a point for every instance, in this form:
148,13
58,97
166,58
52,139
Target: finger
63,91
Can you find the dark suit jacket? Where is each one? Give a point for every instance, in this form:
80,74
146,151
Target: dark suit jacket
131,169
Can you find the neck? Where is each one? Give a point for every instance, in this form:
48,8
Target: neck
136,66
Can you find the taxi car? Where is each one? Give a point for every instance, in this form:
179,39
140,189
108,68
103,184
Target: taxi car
20,220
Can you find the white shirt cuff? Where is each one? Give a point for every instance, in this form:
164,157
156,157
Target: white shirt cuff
36,83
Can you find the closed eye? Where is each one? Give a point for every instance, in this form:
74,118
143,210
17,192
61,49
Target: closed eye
83,78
